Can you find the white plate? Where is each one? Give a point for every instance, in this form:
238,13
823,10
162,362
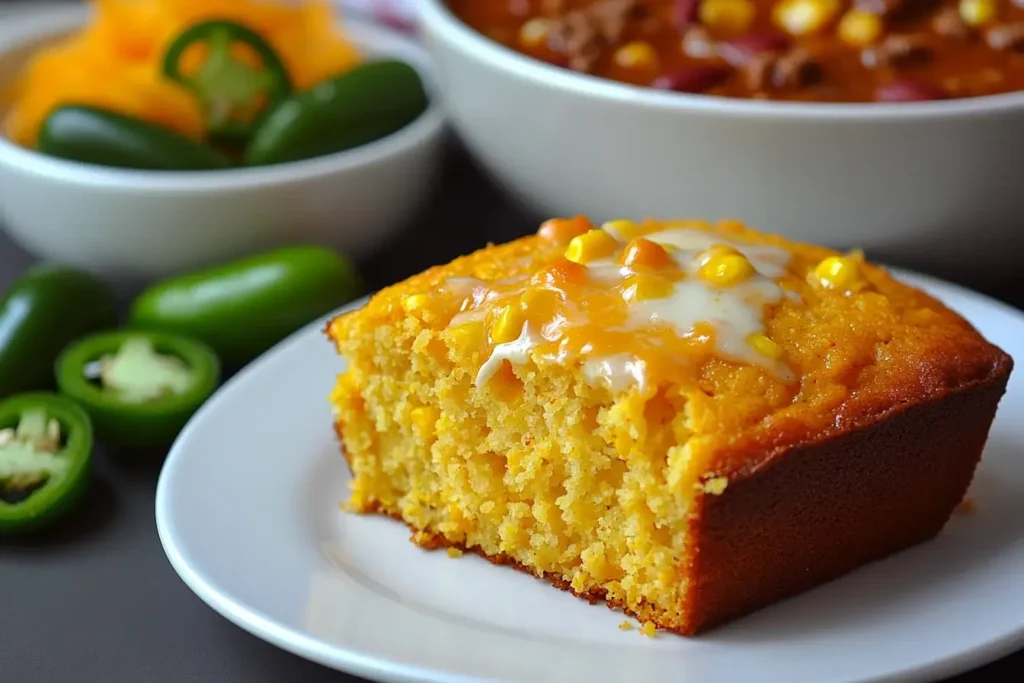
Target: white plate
247,510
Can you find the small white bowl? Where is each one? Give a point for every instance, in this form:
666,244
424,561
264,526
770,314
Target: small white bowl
129,225
935,184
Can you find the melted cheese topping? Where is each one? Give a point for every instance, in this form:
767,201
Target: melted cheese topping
627,303
618,372
735,313
516,352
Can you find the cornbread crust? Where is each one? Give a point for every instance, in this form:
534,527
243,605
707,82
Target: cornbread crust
815,512
857,503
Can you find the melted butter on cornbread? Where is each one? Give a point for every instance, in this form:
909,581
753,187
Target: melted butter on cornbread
633,299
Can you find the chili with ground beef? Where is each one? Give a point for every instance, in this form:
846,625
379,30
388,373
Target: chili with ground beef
806,50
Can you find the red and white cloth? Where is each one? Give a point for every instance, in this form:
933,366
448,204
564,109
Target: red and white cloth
399,14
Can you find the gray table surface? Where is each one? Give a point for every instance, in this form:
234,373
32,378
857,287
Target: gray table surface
97,601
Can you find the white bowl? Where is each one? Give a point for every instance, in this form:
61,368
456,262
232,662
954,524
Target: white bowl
939,184
129,225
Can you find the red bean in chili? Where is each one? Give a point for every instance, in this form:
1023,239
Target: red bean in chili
908,91
685,13
696,79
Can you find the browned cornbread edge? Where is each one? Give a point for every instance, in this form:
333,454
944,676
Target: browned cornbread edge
811,513
816,512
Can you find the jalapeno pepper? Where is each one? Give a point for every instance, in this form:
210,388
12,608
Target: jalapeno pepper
362,105
139,388
45,459
234,94
93,135
244,307
44,310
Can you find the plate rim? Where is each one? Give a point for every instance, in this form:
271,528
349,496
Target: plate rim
348,660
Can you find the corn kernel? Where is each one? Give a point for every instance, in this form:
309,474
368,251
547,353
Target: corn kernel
859,28
643,253
425,417
837,272
636,55
560,273
535,32
562,230
765,346
621,229
590,246
467,336
803,17
729,16
978,12
725,270
645,287
539,304
508,325
416,304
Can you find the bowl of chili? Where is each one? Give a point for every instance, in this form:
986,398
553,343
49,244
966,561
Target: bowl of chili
734,108
345,163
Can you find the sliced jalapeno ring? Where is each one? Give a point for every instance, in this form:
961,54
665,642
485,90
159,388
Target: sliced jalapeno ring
139,388
234,94
45,459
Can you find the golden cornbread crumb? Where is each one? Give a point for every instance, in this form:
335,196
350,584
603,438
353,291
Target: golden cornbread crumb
626,626
601,487
716,485
649,629
454,552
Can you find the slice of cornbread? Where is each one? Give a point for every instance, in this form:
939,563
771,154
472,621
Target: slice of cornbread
688,421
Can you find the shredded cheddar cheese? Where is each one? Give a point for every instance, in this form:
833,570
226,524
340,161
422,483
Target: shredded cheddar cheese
115,61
